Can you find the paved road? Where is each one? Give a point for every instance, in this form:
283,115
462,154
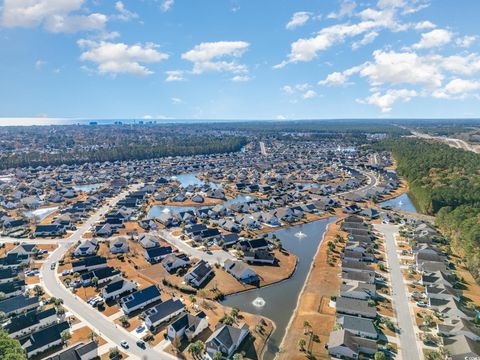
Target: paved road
408,340
263,149
217,256
452,142
98,322
371,183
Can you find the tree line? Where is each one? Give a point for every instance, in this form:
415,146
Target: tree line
174,146
445,182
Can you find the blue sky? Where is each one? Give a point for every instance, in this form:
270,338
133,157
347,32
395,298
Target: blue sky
242,59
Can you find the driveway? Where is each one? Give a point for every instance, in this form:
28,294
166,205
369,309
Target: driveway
217,256
409,346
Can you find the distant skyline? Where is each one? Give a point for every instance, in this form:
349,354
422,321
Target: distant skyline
238,59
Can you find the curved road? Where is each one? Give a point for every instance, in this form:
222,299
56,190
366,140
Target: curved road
102,325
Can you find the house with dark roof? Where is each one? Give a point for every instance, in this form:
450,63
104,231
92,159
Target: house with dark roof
52,230
459,327
18,304
156,254
13,288
8,274
139,299
44,339
79,351
226,339
187,326
259,257
117,288
163,312
199,274
30,321
89,263
102,275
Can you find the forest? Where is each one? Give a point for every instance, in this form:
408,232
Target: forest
138,150
445,182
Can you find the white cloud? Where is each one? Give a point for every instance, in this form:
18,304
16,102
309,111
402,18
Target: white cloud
175,75
400,68
334,79
55,15
298,19
346,9
176,100
241,78
40,64
123,13
120,58
367,39
72,24
424,25
385,101
166,5
466,41
303,90
434,38
309,94
211,56
461,86
459,64
281,117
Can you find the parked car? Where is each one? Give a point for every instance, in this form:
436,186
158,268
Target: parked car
421,304
141,344
124,344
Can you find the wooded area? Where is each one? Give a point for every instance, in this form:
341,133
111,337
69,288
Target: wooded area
446,182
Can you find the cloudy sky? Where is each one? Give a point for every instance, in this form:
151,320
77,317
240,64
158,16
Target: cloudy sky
239,59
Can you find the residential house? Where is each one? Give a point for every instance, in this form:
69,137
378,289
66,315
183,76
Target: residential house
240,271
156,254
163,312
117,288
30,321
89,263
79,351
358,326
18,304
173,262
355,307
343,344
86,248
226,340
199,274
139,299
187,326
44,339
119,245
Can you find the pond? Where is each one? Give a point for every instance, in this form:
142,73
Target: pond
402,202
87,188
278,302
42,213
156,210
192,179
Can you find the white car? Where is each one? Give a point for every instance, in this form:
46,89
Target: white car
124,344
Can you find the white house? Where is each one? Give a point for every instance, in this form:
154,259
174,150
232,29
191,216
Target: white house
199,273
119,245
117,288
163,312
86,248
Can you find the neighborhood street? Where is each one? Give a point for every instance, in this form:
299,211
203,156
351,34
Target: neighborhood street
408,340
216,256
99,323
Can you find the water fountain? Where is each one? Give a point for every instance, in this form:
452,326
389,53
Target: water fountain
300,235
258,302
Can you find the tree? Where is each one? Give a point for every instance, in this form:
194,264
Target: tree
379,355
306,327
65,335
10,349
237,356
235,312
124,320
60,310
95,281
217,356
113,353
301,344
427,320
93,336
37,290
